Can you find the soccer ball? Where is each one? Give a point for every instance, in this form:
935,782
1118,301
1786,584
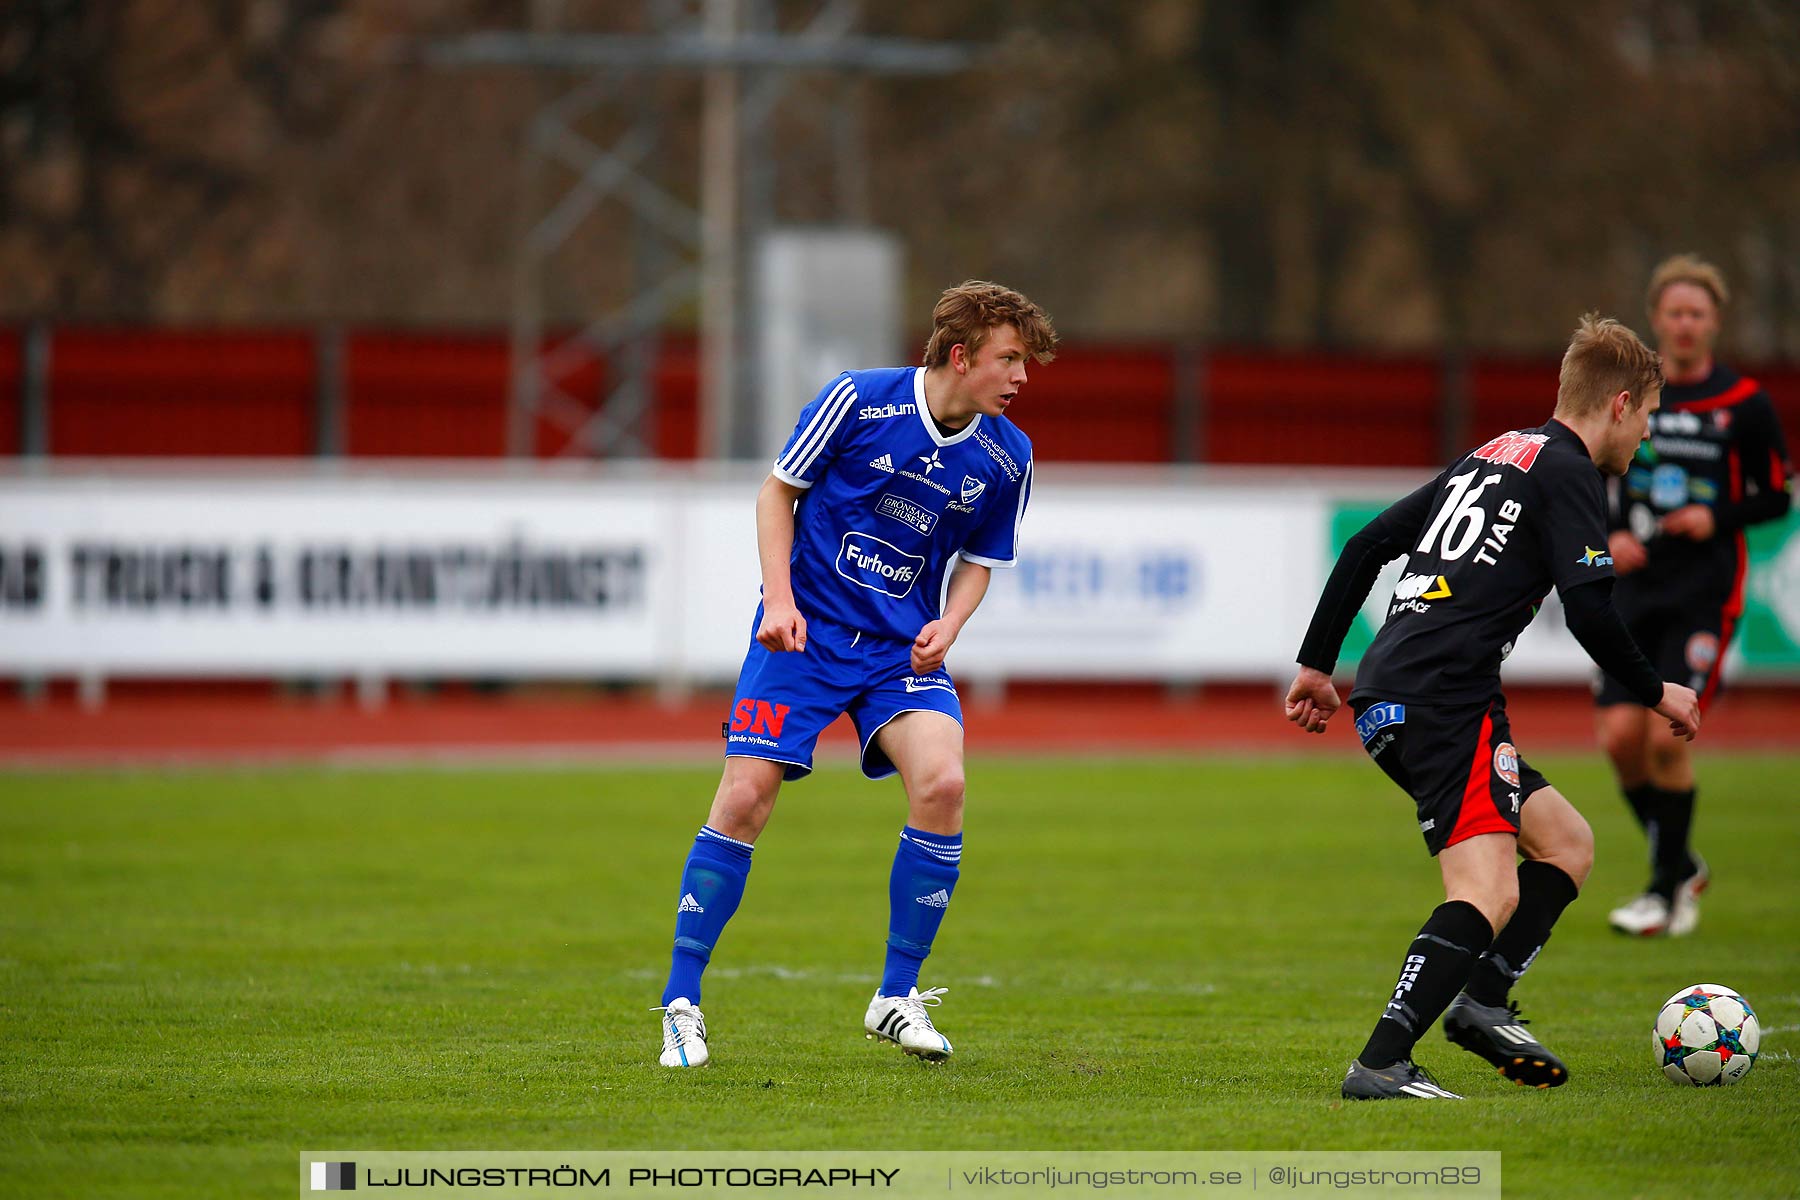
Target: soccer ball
1706,1035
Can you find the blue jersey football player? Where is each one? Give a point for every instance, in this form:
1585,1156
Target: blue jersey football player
898,492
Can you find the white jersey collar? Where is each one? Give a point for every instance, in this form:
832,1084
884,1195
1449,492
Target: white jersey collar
931,429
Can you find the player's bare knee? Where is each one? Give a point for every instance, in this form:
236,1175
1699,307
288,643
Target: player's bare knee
938,799
1622,738
741,807
1666,753
1575,854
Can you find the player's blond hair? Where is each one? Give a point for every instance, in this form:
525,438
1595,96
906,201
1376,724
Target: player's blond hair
1686,268
968,312
1605,358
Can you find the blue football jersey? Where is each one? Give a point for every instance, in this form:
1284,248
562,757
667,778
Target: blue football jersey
891,502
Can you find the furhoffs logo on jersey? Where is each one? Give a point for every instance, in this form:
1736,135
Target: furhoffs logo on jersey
878,565
758,716
1506,763
1591,557
1513,449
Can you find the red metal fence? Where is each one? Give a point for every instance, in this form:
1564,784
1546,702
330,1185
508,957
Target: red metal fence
139,392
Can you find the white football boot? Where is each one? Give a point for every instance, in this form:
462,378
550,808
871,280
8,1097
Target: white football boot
1649,915
1641,916
684,1035
904,1021
1686,914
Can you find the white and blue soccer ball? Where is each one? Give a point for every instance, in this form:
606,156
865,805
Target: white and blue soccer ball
1706,1035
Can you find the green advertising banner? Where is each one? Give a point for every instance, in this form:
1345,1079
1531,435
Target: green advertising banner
1346,518
1769,636
1767,645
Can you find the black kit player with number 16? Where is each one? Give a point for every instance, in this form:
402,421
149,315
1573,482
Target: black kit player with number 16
1485,542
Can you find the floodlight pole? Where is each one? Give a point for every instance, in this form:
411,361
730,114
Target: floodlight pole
719,144
680,254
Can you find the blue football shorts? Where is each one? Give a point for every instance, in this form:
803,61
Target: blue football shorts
786,699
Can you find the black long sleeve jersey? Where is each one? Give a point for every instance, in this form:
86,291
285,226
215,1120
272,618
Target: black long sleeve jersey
1718,443
1485,541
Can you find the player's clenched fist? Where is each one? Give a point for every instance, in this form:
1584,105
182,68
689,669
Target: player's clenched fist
782,628
1311,700
930,647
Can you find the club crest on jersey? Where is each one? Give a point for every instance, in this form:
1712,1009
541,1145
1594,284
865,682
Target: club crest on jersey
1506,763
971,488
1513,449
1702,652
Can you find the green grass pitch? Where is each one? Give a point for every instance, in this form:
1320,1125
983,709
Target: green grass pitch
203,974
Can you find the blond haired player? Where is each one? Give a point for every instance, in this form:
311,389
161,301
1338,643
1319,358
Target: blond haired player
1715,464
1485,542
897,494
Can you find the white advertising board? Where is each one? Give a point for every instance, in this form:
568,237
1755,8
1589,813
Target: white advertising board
332,576
642,574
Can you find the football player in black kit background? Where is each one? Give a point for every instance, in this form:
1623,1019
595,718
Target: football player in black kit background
1715,464
1485,541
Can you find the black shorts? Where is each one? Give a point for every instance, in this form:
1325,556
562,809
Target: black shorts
1684,639
1457,762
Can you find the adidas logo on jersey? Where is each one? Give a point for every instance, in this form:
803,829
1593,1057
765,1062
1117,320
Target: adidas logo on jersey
689,904
884,463
937,899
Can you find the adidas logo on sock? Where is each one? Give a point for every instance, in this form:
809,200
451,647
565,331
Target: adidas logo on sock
937,899
884,463
689,904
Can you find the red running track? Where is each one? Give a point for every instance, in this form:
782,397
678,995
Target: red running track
194,727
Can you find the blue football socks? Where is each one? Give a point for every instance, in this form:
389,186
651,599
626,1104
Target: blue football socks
919,890
712,884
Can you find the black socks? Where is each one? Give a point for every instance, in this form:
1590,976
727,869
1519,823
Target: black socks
1670,860
1437,965
1544,891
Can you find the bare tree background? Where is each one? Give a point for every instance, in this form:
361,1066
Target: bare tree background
1386,175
